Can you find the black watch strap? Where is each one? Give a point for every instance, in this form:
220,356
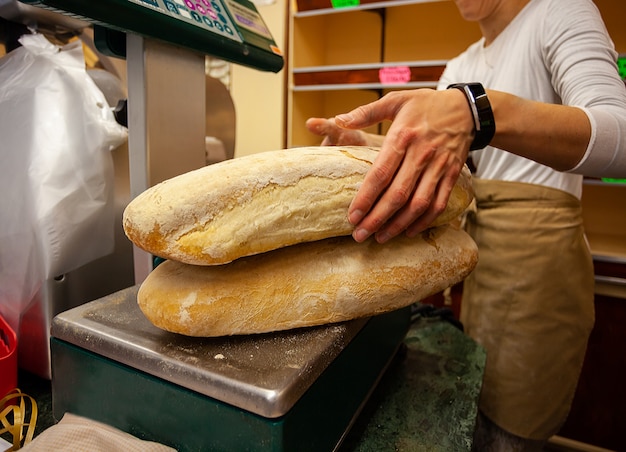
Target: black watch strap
484,122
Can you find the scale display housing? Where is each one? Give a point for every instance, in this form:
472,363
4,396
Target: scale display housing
232,30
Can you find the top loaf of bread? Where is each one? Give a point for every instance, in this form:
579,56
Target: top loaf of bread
258,203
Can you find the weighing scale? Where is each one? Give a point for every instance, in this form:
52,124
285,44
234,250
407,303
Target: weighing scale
295,390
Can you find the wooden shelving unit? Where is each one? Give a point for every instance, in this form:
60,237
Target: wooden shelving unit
411,74
343,56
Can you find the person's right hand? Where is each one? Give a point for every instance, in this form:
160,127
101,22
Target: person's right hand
335,135
419,161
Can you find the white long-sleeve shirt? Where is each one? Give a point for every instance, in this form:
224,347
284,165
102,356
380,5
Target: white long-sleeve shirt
554,51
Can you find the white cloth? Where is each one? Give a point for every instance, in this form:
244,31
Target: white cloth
559,52
75,433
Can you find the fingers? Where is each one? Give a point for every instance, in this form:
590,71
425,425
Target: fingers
369,210
406,206
410,182
390,183
323,127
333,134
372,113
438,204
421,157
418,205
411,194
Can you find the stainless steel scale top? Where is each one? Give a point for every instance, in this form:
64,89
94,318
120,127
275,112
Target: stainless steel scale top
265,374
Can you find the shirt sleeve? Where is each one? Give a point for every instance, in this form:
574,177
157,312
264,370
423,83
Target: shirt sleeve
605,155
582,60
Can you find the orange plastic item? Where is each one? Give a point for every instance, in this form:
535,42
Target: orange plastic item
8,358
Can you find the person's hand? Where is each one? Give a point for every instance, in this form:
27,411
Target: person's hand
335,135
420,160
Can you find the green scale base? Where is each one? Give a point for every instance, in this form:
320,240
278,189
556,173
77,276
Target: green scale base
299,390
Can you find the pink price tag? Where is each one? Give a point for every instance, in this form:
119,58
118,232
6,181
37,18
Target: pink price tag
394,75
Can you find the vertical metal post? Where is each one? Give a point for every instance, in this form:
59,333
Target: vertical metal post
166,118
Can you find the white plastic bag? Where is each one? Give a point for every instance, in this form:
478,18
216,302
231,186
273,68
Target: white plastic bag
56,170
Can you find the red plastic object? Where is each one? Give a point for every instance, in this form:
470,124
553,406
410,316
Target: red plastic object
8,358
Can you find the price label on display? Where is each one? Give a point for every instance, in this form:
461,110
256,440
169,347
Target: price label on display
208,14
249,19
232,30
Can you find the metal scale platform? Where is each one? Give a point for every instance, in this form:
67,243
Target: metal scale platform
297,390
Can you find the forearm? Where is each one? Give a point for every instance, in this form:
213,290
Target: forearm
553,135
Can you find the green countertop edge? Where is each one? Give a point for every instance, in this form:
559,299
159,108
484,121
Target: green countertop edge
427,400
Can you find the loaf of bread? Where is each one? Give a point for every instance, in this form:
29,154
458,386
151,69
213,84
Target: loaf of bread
258,203
314,283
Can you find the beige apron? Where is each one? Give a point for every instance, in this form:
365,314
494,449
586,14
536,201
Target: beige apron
529,302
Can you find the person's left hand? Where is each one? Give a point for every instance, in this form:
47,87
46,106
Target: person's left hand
420,160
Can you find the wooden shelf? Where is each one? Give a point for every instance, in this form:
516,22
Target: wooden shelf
368,76
320,7
340,61
607,247
604,216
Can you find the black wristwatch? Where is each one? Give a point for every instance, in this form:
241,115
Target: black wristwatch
484,123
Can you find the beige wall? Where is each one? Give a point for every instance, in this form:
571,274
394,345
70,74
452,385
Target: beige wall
259,96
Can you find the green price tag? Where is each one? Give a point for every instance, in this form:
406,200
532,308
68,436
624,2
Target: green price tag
621,66
613,181
344,3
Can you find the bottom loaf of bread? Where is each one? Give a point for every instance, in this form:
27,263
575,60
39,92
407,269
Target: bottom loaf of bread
309,284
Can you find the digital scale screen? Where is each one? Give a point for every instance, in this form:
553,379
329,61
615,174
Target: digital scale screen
229,29
206,14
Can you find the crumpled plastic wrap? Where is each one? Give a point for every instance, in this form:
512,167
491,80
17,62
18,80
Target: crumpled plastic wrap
56,176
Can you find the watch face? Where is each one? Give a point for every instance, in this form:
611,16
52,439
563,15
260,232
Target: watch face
484,111
482,102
